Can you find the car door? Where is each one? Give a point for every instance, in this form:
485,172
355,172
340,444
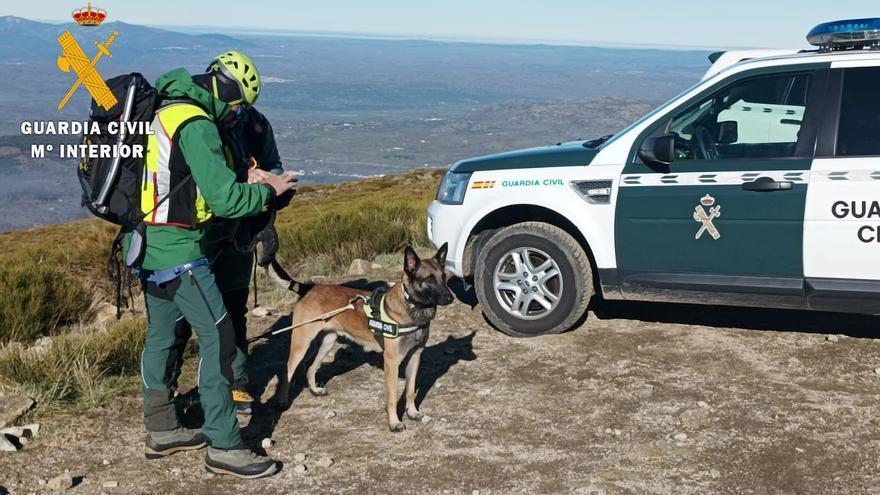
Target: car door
723,222
842,225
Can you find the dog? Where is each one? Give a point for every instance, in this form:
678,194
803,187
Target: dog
412,303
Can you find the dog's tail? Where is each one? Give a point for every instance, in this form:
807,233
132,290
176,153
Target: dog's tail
280,277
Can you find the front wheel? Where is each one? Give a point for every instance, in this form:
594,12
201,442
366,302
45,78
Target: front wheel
532,279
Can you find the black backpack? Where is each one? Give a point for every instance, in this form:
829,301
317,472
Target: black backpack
118,179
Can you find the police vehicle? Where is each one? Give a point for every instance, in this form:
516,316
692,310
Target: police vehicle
758,186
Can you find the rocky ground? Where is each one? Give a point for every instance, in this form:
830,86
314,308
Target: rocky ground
644,398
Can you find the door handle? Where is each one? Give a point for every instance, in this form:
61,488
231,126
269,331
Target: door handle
764,184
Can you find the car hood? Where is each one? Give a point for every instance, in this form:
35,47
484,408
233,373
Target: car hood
572,154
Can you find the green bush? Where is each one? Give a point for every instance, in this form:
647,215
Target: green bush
363,230
76,369
36,298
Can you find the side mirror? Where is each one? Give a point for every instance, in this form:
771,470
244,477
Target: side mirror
728,132
658,150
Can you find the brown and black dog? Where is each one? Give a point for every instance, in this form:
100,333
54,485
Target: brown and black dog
412,302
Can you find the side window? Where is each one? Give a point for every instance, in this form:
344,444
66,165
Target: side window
858,133
755,118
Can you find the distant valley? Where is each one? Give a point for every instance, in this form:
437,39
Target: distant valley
342,108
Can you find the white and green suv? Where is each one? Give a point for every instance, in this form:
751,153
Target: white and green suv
758,186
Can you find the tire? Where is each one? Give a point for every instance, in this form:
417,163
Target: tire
499,286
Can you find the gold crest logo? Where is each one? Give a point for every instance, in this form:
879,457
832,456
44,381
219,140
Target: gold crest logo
707,218
87,75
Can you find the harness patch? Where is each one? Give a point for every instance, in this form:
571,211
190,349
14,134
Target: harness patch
379,321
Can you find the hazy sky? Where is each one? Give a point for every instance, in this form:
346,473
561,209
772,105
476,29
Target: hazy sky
740,23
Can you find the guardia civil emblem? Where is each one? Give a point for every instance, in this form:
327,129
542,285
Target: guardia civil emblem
706,217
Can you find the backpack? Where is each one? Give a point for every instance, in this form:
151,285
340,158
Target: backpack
111,186
117,179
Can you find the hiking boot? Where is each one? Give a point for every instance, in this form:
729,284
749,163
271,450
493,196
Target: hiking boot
240,462
159,444
242,400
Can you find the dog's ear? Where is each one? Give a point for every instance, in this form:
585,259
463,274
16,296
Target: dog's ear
410,260
441,254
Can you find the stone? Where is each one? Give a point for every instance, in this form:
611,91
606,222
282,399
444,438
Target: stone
330,414
60,482
877,371
175,471
832,338
7,445
484,392
426,419
261,312
300,469
325,462
359,267
617,432
13,407
299,457
110,484
267,443
376,266
714,474
23,433
679,437
105,462
703,404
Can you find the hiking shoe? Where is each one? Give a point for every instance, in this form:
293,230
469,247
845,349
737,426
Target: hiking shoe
159,444
240,462
241,396
242,400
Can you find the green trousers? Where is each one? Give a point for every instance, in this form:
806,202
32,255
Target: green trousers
194,296
232,272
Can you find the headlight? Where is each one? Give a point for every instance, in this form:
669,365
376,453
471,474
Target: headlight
453,187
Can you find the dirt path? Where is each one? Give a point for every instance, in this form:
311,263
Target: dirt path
646,398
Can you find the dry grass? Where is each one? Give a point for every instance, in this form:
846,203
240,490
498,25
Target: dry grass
80,369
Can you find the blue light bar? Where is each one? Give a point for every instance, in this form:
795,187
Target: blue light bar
851,33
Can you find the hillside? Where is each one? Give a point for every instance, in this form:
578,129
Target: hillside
50,275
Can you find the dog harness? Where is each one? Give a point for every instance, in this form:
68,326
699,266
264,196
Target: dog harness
378,319
382,326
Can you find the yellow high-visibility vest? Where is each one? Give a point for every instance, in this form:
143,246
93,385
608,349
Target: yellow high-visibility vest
165,167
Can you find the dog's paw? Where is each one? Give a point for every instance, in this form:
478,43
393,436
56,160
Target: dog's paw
415,415
397,427
318,391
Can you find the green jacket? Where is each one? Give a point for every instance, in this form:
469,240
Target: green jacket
200,144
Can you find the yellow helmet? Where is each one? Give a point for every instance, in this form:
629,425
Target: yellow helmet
239,68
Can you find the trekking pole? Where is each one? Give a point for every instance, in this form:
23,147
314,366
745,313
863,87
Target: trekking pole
100,203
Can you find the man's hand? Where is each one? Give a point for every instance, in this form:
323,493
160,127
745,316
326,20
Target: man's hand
279,183
257,175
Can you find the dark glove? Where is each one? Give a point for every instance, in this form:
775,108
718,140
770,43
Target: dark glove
282,201
269,238
247,234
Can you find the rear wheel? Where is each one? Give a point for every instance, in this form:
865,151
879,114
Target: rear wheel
532,279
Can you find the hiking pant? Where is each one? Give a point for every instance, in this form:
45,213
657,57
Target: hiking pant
232,271
194,296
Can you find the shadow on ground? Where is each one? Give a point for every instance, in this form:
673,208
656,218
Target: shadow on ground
778,320
268,359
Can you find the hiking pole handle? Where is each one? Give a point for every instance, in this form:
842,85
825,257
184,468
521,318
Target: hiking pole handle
100,203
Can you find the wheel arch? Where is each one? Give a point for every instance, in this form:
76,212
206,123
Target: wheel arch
508,215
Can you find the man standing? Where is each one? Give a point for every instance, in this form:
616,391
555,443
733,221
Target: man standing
186,183
249,147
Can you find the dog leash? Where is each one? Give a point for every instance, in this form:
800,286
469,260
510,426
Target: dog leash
324,317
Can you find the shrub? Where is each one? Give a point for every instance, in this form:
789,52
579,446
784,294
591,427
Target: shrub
363,232
37,298
76,369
